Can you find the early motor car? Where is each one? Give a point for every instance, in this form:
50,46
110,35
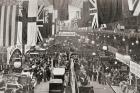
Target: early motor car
56,86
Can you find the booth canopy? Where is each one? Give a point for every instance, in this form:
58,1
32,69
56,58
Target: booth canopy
58,71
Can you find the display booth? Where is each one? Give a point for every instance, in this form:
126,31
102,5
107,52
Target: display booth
16,57
15,61
135,70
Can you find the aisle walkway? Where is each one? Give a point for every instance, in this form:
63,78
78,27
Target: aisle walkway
43,87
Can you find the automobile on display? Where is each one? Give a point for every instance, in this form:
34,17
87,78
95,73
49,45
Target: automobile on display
56,86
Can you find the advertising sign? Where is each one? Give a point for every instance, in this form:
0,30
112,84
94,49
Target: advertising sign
135,68
123,58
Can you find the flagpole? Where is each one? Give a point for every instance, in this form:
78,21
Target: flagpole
53,20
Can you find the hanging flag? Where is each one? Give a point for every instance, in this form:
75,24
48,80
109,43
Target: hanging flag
24,21
125,9
134,6
62,7
60,4
32,26
131,13
94,13
8,24
63,14
46,29
48,25
85,15
109,11
27,28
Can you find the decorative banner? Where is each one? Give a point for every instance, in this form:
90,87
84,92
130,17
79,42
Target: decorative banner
123,58
135,68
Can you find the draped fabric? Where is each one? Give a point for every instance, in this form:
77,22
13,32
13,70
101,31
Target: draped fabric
60,4
109,10
63,14
8,24
48,25
62,7
85,15
125,9
130,21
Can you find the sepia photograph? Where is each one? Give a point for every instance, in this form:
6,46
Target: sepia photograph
69,46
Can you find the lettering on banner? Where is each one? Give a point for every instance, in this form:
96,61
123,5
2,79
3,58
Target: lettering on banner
134,6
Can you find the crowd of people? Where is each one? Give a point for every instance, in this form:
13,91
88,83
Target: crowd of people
41,71
39,68
42,67
86,73
117,77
